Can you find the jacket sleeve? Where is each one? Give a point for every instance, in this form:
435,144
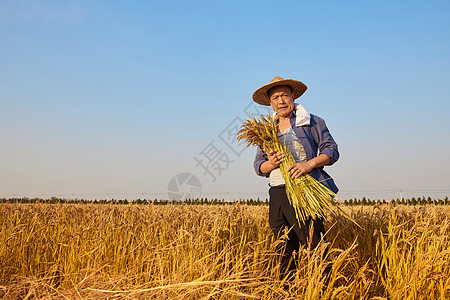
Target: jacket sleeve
324,140
260,157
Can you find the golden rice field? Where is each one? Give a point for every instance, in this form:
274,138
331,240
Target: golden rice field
86,251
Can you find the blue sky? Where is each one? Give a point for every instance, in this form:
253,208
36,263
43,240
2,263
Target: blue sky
112,99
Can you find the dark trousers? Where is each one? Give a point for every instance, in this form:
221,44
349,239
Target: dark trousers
281,216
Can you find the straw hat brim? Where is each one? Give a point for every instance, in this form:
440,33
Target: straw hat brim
260,96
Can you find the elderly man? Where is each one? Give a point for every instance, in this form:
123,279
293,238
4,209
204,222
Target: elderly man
312,146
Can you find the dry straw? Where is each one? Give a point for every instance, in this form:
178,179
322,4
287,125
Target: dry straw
309,197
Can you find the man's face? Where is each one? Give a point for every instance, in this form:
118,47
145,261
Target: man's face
282,100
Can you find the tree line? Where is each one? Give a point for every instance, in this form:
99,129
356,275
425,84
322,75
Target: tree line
408,201
197,201
205,201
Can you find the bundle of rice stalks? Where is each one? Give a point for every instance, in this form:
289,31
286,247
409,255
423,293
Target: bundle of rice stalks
309,197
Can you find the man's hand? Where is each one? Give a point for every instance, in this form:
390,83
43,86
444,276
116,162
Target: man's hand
298,169
275,157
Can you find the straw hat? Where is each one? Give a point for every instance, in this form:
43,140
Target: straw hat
260,96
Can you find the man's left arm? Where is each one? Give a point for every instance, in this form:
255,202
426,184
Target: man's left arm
298,169
324,140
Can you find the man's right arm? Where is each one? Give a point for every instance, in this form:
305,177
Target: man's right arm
260,158
266,163
274,160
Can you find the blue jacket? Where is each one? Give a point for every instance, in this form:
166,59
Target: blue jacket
316,139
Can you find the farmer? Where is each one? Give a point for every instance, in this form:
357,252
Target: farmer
312,146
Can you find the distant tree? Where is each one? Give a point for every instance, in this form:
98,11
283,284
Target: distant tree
364,201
